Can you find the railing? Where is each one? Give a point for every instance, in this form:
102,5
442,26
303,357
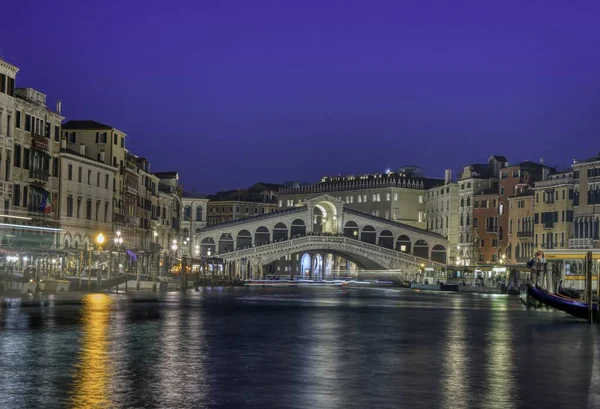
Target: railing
251,219
582,243
357,184
289,244
39,174
554,182
524,234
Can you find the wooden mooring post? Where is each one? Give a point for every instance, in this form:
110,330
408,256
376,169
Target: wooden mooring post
588,285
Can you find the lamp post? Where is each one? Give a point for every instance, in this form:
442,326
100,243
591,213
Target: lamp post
99,241
118,242
174,250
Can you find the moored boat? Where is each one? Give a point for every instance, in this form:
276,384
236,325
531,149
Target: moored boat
566,304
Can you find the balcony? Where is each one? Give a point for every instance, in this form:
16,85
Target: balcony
119,218
131,190
132,220
524,234
585,243
38,176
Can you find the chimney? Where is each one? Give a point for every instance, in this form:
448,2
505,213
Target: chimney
58,106
448,176
82,149
63,143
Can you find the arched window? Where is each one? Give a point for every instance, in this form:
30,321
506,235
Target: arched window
199,213
468,201
462,202
187,213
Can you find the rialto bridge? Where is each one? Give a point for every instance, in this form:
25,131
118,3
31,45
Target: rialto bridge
321,227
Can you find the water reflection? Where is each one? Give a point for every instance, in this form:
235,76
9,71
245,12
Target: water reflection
455,360
92,370
500,379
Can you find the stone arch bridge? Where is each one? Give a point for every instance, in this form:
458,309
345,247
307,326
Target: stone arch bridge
323,224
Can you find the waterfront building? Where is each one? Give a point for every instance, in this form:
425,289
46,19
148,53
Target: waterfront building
474,179
35,164
260,198
586,203
441,213
554,211
520,226
514,179
167,215
394,195
485,226
85,200
195,206
8,74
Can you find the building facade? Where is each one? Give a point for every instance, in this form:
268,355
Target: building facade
474,179
260,198
167,215
85,200
520,230
194,219
586,204
398,196
485,226
514,179
553,226
8,74
441,208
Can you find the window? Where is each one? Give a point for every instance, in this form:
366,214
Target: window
474,222
420,198
502,191
17,155
71,137
78,207
25,158
8,126
98,179
115,139
18,120
122,141
482,243
80,174
374,197
106,211
388,196
70,172
359,199
16,194
89,182
57,133
27,123
106,178
88,209
494,242
101,137
395,196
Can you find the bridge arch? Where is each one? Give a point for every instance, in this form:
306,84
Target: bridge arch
325,217
317,270
421,249
305,265
386,239
280,232
438,253
368,234
403,244
262,236
225,243
351,229
298,228
208,246
243,239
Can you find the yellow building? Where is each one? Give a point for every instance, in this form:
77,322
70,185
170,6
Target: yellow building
520,227
554,211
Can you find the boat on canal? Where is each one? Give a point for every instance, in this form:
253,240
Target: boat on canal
560,302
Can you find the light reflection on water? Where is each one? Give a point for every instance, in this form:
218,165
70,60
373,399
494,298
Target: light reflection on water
308,348
90,383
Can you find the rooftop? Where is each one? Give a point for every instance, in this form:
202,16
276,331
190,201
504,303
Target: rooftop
84,125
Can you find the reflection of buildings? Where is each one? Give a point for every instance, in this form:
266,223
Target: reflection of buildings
397,196
229,205
442,212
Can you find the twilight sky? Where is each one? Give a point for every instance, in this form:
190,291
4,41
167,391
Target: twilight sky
233,92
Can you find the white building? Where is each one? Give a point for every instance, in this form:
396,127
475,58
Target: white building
441,207
8,74
86,194
193,220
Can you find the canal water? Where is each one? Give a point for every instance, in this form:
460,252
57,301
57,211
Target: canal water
298,348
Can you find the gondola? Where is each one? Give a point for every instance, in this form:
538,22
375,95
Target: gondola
570,306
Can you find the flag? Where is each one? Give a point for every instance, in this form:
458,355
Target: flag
46,203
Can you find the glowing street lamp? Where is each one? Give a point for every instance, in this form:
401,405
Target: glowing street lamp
100,239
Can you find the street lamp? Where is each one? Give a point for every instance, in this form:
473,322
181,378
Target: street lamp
100,242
